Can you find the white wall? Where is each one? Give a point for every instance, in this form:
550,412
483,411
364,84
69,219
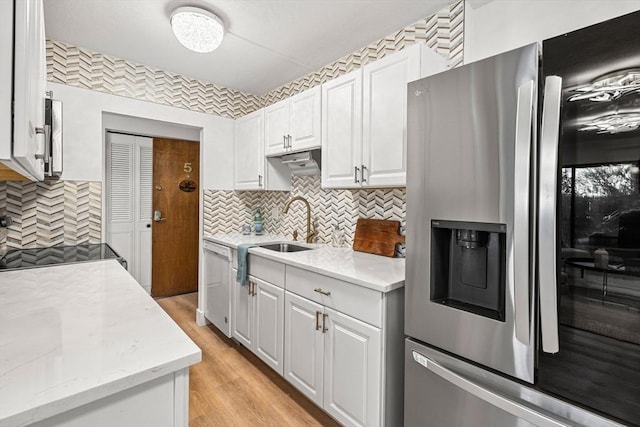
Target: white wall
501,25
83,133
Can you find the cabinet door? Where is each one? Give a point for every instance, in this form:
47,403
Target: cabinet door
269,324
276,128
249,152
304,346
352,370
305,120
6,79
384,132
241,312
342,131
29,86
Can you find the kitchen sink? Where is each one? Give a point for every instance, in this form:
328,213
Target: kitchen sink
285,247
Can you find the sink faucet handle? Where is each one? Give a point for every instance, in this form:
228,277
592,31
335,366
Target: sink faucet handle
295,234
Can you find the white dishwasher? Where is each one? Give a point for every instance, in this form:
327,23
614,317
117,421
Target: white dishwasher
217,279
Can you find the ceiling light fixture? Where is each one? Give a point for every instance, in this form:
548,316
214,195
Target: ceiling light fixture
197,29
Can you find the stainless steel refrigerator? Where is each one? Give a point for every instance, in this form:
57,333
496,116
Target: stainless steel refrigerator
523,236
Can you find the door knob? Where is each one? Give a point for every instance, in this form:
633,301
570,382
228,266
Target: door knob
157,216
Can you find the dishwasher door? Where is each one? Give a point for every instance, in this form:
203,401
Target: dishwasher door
217,281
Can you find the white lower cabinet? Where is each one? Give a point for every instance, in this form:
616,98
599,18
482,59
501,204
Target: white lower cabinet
258,319
352,369
333,359
304,346
338,343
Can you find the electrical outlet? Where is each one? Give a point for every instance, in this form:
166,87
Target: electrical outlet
275,213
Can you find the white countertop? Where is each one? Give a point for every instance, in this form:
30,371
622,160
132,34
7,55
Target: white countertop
72,334
375,272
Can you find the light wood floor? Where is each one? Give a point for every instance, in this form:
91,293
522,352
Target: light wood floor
231,386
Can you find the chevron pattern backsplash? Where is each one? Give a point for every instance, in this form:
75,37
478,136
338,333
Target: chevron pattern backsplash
68,212
75,66
442,32
226,211
47,214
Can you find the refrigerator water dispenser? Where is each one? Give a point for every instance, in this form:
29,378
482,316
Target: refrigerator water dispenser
468,266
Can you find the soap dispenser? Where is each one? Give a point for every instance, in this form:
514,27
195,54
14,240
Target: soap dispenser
337,237
257,222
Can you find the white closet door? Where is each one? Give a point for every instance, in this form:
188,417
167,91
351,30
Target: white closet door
120,196
144,208
129,202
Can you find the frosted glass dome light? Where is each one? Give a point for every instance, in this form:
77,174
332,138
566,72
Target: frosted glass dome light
197,29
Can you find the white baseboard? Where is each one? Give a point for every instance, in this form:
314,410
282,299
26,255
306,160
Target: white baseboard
200,319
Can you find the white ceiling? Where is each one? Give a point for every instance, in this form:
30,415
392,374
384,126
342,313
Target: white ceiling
267,42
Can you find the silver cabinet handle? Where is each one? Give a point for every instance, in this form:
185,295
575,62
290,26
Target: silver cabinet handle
249,288
320,291
46,131
513,407
318,313
259,180
355,174
362,173
284,141
289,138
324,323
549,135
518,270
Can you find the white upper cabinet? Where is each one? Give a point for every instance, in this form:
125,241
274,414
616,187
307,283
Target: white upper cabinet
252,171
342,131
293,124
249,152
379,158
29,79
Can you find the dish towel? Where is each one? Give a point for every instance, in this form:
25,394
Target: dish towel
243,269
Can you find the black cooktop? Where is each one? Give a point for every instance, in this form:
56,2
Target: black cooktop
40,257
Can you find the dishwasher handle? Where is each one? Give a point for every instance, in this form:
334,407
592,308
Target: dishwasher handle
217,249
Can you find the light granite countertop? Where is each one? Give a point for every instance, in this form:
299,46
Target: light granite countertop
73,334
375,272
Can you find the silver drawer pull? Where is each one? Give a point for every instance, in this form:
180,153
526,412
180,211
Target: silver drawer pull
320,291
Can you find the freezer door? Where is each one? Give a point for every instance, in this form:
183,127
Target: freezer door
470,187
446,392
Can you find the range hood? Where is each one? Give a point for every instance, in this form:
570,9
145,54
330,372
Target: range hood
304,163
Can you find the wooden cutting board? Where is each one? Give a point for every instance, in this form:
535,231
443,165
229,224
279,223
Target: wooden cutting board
377,236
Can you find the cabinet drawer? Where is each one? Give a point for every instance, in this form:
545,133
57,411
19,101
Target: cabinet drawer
267,270
361,303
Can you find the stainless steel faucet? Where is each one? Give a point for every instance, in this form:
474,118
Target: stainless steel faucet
310,234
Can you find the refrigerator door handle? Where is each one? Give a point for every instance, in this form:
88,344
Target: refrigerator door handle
519,274
549,138
506,404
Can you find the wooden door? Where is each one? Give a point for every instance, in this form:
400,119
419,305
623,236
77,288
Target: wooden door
352,370
304,346
176,172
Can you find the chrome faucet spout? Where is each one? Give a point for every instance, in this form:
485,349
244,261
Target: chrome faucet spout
310,233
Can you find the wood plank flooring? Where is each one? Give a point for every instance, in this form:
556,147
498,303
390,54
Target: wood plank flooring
231,386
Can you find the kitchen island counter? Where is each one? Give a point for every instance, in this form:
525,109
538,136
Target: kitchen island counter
74,335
